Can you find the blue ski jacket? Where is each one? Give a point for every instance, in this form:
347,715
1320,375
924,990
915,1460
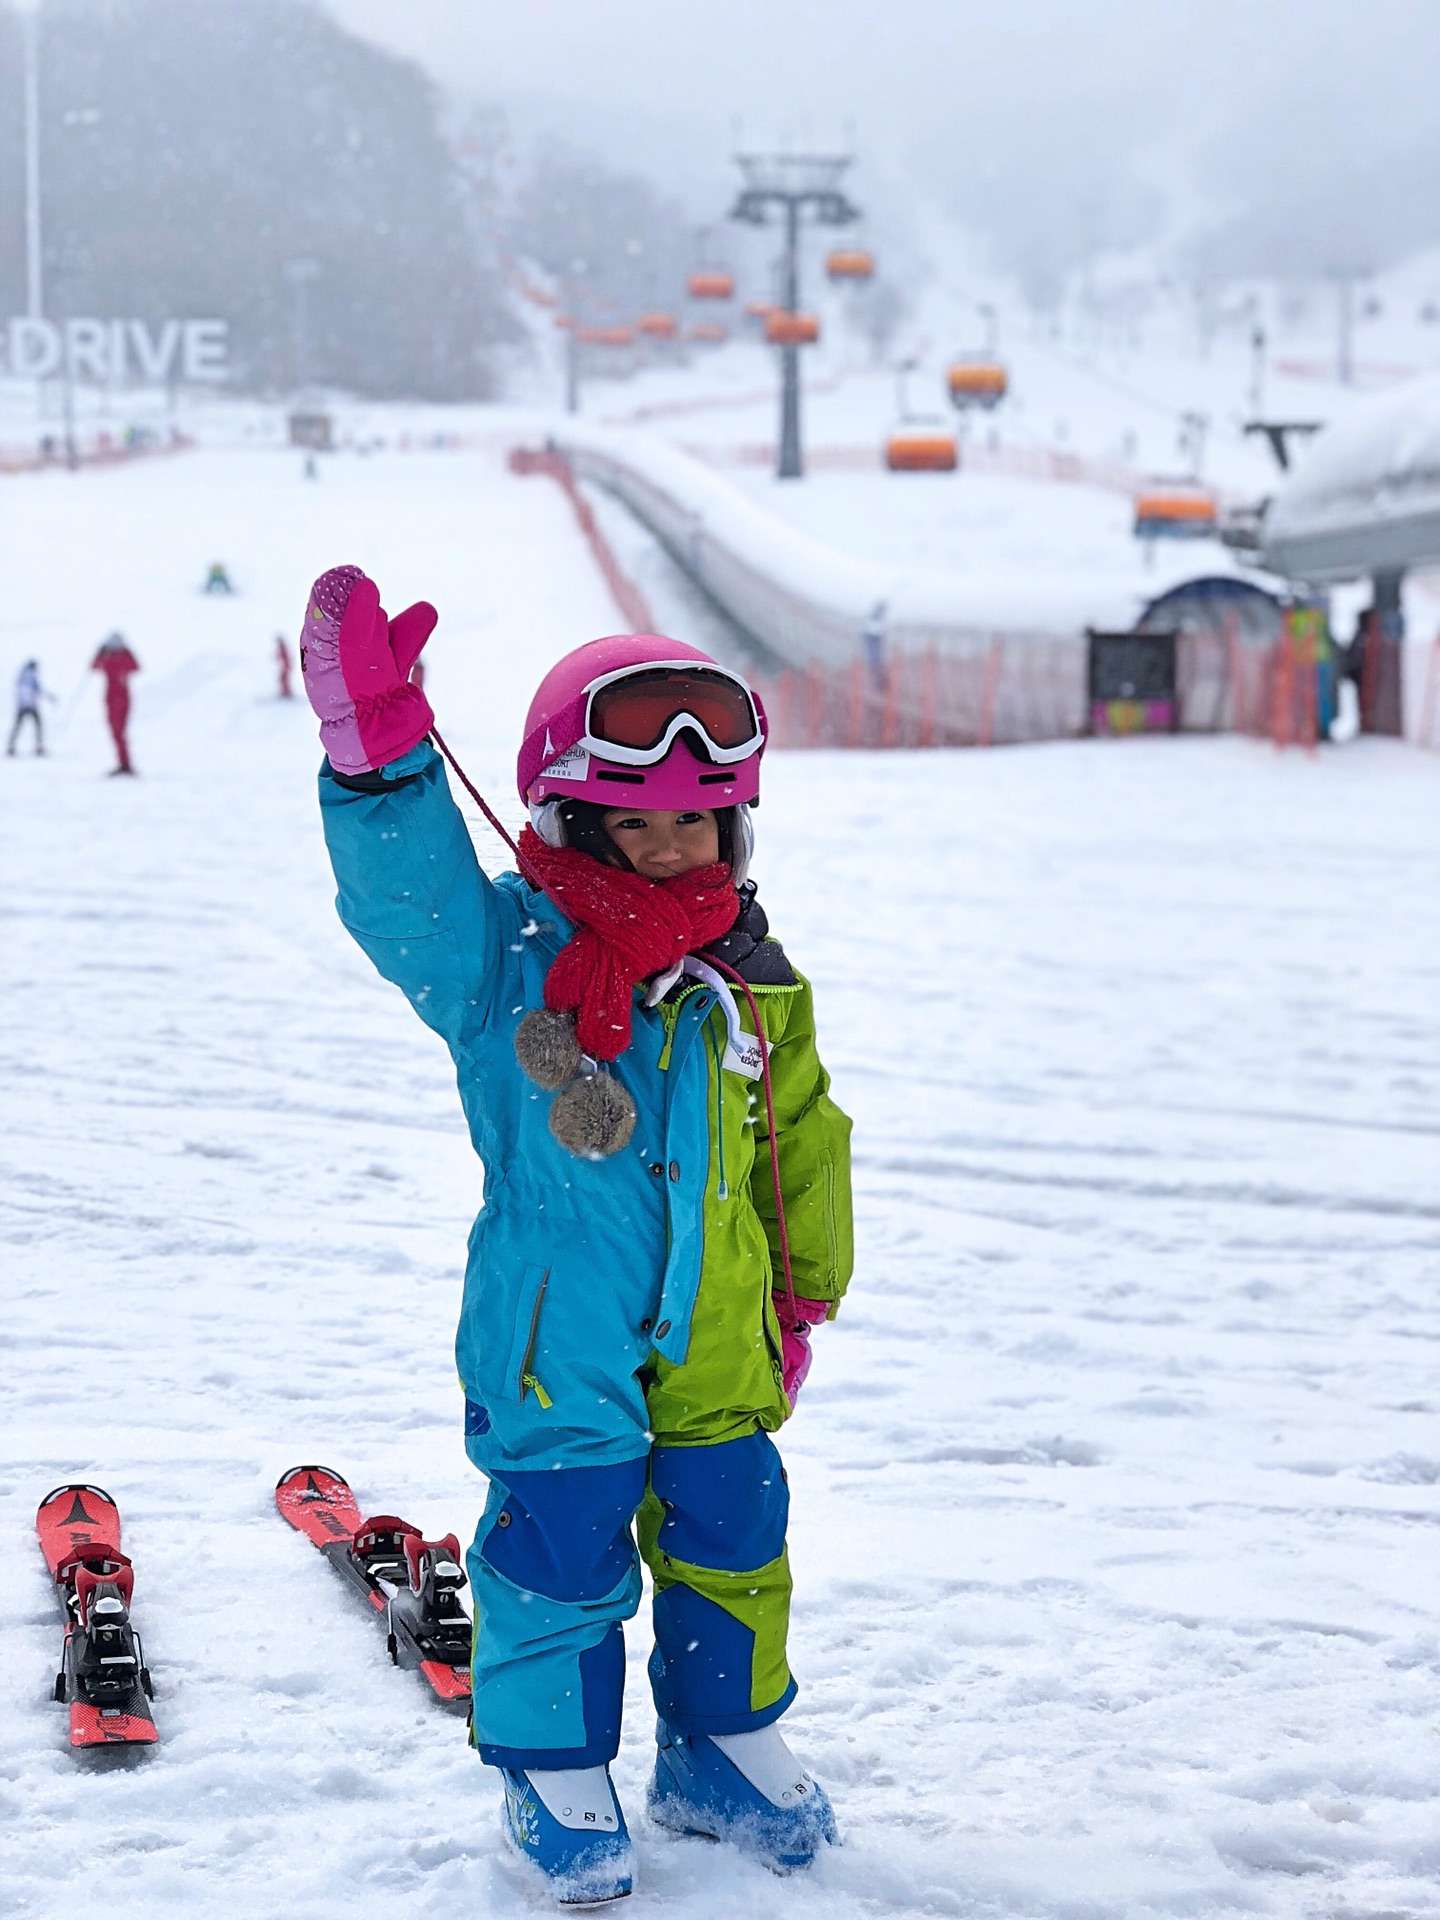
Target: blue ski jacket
611,1251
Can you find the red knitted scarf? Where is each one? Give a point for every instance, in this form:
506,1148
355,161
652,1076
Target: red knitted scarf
626,929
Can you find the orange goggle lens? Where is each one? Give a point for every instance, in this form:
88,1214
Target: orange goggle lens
636,711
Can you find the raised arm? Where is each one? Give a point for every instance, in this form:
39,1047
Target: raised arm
411,890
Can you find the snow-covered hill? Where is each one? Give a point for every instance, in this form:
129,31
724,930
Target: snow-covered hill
1116,1482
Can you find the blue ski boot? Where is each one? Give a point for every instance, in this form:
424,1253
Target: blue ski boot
744,1787
570,1825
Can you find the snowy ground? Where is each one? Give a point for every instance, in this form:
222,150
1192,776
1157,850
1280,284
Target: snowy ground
1116,1485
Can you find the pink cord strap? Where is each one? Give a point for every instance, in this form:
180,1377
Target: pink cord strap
484,806
744,986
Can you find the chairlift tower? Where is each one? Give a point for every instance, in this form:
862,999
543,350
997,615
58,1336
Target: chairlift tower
803,188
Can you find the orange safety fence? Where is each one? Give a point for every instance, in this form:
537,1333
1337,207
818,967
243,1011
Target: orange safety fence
998,692
628,598
1009,691
104,450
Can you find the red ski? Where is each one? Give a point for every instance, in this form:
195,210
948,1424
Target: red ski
103,1674
412,1582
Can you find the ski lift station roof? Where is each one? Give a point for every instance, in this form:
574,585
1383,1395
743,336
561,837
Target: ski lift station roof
1365,497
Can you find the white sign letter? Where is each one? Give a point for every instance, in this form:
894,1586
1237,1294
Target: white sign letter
205,349
154,357
34,348
117,350
87,348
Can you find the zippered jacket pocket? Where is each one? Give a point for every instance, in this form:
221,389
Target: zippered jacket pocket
509,1366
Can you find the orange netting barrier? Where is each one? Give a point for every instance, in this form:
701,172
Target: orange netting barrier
1001,693
634,609
1228,684
1029,689
104,450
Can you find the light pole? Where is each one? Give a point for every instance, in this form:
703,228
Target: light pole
1345,283
578,269
1257,371
29,33
300,274
29,16
795,183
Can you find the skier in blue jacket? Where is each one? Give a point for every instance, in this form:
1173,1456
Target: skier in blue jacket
657,1239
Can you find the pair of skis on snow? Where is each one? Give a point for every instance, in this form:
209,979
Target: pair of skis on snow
411,1584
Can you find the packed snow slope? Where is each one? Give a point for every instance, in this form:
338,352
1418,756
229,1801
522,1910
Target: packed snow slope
1117,1483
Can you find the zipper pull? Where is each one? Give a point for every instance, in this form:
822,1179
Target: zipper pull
530,1384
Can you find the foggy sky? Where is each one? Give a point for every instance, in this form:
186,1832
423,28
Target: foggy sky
1307,123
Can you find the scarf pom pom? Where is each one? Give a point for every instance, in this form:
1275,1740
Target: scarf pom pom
546,1048
594,1117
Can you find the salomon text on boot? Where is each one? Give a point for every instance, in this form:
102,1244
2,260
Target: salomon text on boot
744,1787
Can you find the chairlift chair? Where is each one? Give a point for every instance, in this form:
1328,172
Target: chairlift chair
783,329
918,447
711,284
850,263
977,381
1175,510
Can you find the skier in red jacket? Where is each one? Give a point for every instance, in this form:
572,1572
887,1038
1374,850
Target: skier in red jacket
117,663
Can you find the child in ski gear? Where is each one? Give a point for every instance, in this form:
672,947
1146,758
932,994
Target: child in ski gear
282,668
117,663
652,1253
28,695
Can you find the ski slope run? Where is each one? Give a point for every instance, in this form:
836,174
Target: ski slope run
1116,1485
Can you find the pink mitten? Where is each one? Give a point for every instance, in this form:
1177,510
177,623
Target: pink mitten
796,1319
356,664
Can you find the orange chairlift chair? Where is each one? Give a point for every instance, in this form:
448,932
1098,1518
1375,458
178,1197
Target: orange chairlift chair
1175,510
783,329
849,263
977,381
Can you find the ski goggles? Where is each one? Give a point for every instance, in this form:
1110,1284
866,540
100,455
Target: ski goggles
633,716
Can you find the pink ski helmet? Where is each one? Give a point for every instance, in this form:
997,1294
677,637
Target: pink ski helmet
619,721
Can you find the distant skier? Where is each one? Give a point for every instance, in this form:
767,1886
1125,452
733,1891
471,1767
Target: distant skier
117,663
217,580
872,643
28,695
282,667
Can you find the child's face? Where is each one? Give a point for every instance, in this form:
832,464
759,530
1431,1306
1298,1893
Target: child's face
659,844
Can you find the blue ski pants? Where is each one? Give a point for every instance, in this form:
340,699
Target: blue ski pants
555,1569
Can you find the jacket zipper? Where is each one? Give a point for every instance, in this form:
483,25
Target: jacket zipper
528,1381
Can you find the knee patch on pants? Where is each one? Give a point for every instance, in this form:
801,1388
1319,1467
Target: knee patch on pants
724,1506
554,1572
712,1530
566,1533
